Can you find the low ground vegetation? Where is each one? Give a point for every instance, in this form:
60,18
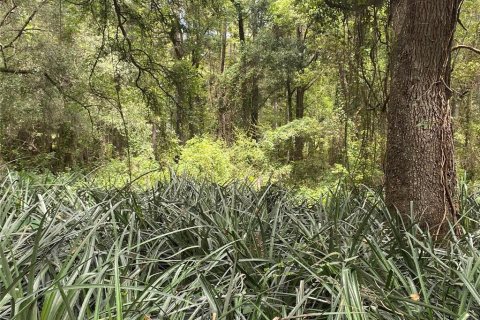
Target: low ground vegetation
187,249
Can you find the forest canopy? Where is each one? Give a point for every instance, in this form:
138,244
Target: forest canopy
265,90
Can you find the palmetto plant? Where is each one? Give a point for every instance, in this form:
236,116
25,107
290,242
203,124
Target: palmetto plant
196,250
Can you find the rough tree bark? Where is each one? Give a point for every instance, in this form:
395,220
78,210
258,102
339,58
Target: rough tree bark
420,169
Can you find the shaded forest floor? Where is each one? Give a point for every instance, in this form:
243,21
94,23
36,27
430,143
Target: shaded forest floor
196,250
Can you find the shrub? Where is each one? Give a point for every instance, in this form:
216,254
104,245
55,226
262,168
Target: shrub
203,157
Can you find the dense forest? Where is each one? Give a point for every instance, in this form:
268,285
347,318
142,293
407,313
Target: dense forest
284,90
239,159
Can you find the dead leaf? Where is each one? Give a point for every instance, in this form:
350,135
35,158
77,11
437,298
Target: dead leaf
415,297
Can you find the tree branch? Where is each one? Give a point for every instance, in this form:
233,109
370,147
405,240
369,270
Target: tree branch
19,34
463,46
62,91
25,24
7,14
17,71
130,51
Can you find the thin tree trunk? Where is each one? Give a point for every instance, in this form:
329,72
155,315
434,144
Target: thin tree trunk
470,155
290,93
255,93
245,112
225,126
241,29
299,113
155,140
181,126
289,101
223,52
420,169
254,109
180,113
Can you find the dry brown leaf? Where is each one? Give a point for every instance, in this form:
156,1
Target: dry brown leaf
415,297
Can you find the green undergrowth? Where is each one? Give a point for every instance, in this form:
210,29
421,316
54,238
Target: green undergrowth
196,250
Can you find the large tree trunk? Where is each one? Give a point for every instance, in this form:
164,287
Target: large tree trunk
420,169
